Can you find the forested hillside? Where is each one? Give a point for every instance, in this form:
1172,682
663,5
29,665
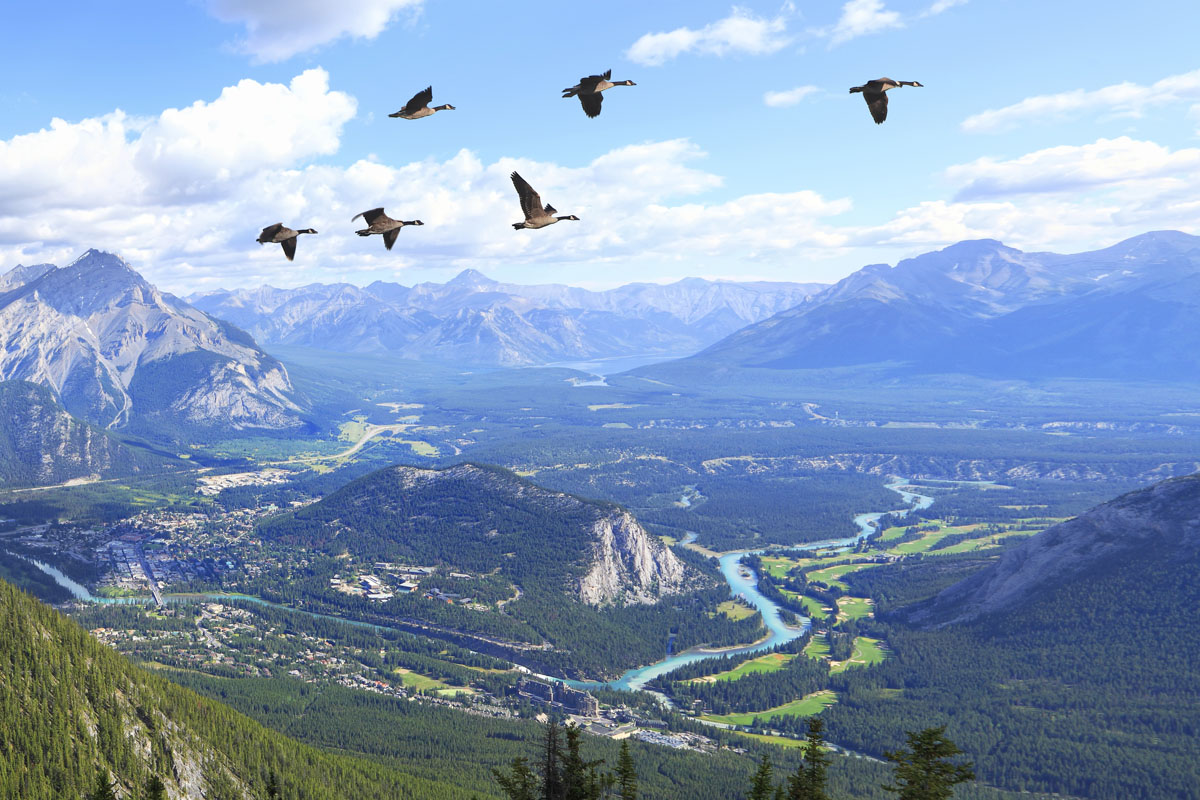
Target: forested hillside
1073,668
70,706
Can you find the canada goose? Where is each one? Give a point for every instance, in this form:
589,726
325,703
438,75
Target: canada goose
286,237
874,93
379,222
419,106
588,91
531,204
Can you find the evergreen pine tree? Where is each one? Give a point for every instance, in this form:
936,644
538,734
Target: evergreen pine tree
761,788
574,770
809,780
552,779
923,770
626,773
104,787
155,789
519,783
273,792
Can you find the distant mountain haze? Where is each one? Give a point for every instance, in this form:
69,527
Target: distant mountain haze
473,319
114,349
979,307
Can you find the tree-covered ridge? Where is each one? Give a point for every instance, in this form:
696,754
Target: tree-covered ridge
70,707
1086,686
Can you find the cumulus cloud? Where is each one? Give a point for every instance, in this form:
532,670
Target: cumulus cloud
1126,98
1061,198
860,18
789,97
184,194
276,30
1070,168
740,32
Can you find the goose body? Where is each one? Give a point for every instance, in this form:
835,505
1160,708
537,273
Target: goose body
381,223
589,88
531,204
875,93
418,106
285,237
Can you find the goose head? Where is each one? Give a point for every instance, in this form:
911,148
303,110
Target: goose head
913,83
625,83
569,216
306,230
415,222
446,107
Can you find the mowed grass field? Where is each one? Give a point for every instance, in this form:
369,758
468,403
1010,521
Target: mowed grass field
830,575
736,610
805,706
423,683
855,607
772,662
817,647
812,606
867,651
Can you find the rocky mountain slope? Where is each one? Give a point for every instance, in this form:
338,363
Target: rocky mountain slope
472,319
1160,523
114,349
982,308
41,444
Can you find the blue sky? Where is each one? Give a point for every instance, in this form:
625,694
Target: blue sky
172,132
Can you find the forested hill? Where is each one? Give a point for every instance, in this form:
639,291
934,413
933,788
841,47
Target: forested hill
1069,665
1157,526
483,519
69,705
41,444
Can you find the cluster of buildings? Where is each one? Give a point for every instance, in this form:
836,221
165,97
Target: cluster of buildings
212,485
558,695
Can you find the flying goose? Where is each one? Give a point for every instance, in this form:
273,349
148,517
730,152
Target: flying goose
419,106
588,91
379,222
286,237
874,93
531,204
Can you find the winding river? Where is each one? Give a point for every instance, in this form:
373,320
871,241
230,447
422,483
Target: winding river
742,582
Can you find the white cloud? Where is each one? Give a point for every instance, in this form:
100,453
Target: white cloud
1073,169
942,5
862,17
789,97
1065,199
1130,99
184,194
279,29
740,32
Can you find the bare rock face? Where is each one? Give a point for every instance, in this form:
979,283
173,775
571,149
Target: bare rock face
1162,521
629,566
113,347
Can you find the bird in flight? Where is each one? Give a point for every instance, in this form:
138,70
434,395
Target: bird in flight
285,237
531,204
874,92
588,91
418,106
379,222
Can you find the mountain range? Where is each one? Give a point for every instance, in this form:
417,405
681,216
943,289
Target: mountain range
115,350
982,308
475,320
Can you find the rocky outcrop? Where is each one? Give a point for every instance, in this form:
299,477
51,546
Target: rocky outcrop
42,444
113,348
1162,521
629,566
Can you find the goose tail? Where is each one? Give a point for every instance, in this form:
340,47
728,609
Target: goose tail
855,89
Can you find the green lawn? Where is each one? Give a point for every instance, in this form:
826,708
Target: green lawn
830,575
805,706
854,607
736,610
867,651
423,683
772,662
812,606
817,647
782,741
